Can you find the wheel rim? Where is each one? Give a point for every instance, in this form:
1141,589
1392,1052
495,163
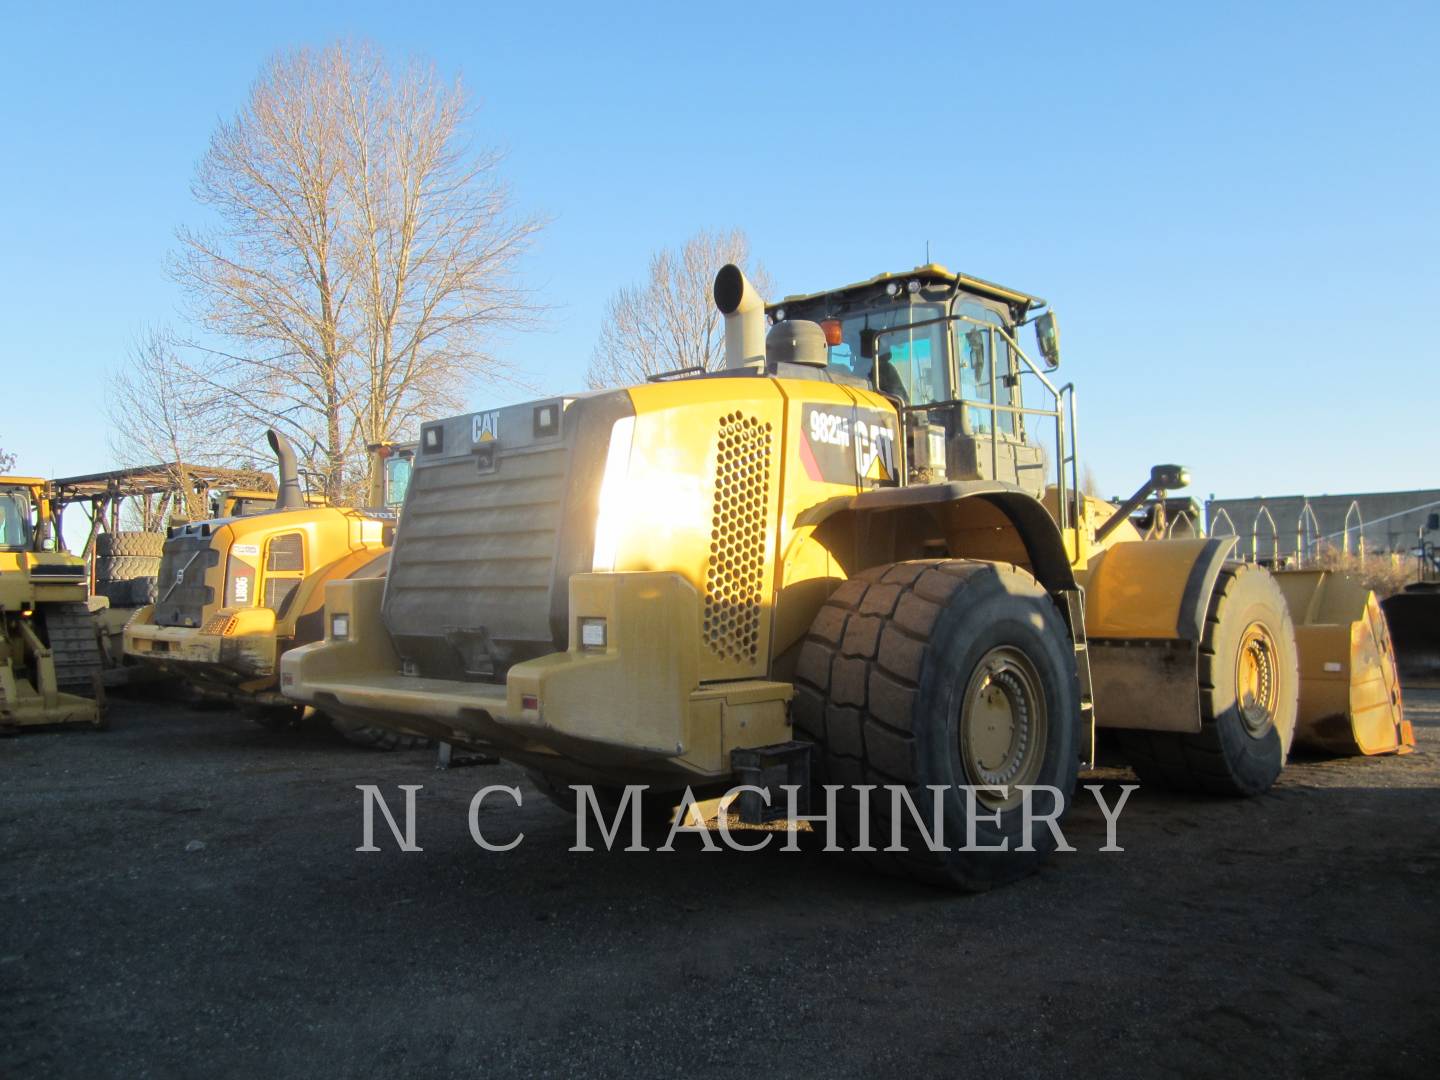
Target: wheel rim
1002,725
1256,686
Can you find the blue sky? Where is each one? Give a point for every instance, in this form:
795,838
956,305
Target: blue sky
1233,210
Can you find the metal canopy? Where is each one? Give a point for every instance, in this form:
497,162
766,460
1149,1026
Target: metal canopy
142,480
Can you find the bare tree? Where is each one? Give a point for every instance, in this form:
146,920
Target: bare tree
7,460
160,413
670,322
433,247
363,256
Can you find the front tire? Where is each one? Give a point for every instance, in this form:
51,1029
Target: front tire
942,672
1249,693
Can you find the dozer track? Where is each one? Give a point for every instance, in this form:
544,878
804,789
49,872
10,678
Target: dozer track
75,647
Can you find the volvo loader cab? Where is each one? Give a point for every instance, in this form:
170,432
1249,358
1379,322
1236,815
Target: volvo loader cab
855,556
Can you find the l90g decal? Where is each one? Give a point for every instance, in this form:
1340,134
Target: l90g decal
848,446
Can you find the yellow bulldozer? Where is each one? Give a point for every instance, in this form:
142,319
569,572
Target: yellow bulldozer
857,555
234,593
50,657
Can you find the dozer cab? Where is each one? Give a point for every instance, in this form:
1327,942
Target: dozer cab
858,551
50,659
234,593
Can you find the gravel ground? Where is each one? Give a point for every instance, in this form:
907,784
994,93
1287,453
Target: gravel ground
181,896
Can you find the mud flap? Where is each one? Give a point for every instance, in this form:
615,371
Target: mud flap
1151,685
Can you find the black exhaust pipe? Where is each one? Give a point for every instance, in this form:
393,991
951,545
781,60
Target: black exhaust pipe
289,496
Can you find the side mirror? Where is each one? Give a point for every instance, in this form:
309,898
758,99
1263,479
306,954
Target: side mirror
1169,477
397,479
869,341
1047,336
1432,523
975,345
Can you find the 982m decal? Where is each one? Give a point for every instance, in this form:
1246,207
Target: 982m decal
848,446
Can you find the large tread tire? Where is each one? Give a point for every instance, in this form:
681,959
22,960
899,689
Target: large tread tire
148,545
126,567
117,592
372,737
1225,757
880,684
142,591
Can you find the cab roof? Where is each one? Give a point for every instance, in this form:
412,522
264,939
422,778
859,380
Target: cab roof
930,272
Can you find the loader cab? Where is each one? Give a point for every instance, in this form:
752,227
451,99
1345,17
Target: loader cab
944,346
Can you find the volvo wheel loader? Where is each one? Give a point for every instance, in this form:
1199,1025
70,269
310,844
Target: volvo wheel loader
857,552
50,659
234,593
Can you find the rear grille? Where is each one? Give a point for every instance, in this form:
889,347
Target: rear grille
478,552
189,556
500,513
737,548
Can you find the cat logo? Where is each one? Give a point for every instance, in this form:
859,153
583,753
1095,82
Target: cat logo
485,427
874,452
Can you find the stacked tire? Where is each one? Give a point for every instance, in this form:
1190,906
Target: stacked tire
127,567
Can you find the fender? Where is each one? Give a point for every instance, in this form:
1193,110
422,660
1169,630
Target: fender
1036,529
1145,607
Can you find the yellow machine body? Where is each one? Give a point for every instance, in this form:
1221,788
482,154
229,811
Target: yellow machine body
698,589
1350,698
718,536
48,646
234,594
614,588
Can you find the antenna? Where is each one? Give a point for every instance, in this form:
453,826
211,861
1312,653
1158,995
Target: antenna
927,252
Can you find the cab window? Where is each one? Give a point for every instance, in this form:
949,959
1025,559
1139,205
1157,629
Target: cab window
14,521
397,479
974,344
912,363
284,570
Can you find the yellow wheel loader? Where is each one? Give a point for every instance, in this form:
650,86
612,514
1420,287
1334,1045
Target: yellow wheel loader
50,659
857,555
234,593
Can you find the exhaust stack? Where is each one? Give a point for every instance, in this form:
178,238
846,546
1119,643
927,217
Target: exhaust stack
288,496
744,311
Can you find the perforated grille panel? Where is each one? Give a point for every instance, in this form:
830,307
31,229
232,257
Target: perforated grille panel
733,584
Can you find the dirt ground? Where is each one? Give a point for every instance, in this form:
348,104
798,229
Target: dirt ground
1290,935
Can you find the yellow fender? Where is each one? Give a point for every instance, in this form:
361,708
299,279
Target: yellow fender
1350,699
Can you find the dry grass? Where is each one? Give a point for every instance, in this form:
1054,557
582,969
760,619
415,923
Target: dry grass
1385,574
